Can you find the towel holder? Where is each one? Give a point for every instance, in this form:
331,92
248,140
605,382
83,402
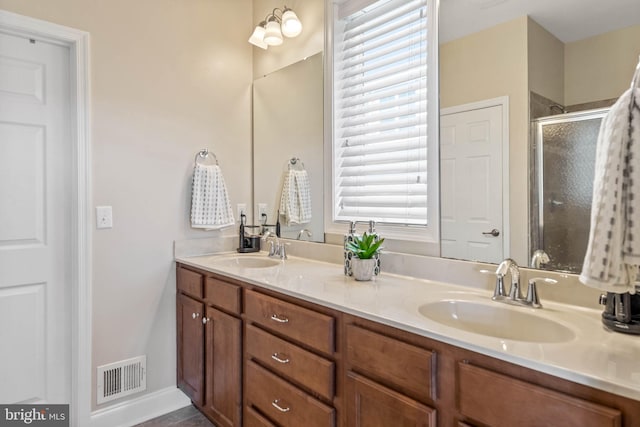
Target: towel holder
296,162
203,155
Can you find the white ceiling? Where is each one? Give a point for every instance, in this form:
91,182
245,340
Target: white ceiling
568,20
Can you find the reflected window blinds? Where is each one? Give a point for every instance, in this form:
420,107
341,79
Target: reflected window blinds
380,111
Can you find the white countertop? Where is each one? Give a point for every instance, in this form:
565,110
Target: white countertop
595,357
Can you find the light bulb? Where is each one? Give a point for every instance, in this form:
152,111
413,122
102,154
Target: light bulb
273,36
291,25
257,38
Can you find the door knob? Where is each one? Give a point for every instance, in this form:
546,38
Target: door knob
494,233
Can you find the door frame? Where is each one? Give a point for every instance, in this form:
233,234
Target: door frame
80,246
502,101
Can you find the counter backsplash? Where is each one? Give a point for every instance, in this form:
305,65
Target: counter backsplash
568,290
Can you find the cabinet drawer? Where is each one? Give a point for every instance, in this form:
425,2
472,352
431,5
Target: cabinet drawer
306,368
371,404
406,367
284,403
222,294
497,400
190,282
306,326
253,419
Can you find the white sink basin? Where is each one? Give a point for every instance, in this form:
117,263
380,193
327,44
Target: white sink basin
246,262
496,321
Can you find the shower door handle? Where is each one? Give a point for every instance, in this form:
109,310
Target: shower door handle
494,233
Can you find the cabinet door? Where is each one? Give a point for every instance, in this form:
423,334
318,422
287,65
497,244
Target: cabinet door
223,368
370,404
501,401
190,348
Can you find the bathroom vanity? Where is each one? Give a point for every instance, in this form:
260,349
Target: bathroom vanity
264,342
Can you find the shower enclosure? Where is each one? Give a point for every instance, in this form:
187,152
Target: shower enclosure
564,148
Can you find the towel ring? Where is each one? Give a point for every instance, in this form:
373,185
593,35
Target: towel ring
203,155
296,162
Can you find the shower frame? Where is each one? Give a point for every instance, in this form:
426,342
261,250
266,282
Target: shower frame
536,175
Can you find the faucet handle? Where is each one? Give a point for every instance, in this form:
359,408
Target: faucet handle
532,291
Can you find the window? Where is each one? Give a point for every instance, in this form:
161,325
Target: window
384,136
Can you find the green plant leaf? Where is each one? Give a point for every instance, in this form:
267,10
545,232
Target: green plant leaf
365,246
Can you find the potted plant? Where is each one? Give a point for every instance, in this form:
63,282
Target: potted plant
364,248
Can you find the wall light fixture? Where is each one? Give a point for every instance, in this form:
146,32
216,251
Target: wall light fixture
275,25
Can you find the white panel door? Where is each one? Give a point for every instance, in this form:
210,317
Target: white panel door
471,184
35,159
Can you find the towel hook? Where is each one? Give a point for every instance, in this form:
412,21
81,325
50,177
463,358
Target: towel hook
295,161
204,155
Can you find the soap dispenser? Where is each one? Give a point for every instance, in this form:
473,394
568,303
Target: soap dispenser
348,254
247,243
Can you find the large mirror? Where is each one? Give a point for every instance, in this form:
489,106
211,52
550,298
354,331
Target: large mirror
523,63
288,151
522,87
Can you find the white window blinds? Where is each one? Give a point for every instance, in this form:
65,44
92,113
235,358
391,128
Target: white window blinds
380,112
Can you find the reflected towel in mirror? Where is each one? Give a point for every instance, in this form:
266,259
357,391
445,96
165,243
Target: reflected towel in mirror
613,253
295,202
210,205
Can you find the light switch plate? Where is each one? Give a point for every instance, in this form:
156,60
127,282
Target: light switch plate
104,217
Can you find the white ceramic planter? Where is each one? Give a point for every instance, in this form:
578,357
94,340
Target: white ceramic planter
362,268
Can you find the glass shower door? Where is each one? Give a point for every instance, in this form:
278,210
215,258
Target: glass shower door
564,171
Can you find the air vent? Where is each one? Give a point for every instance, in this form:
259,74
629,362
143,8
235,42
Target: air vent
120,379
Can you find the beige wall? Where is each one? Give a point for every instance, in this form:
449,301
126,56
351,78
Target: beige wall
309,42
545,63
165,82
489,64
601,67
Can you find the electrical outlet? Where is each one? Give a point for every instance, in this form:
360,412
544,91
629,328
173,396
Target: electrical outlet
262,211
241,208
104,217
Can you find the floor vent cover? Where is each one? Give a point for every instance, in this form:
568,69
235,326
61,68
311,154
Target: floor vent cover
120,379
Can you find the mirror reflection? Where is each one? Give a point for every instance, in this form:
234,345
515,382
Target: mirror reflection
288,150
526,66
507,70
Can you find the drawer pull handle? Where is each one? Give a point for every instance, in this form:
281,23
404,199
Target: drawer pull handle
276,404
205,320
195,315
276,357
279,319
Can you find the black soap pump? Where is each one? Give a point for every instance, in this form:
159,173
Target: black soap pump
247,243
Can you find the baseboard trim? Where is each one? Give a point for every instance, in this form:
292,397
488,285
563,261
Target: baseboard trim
143,408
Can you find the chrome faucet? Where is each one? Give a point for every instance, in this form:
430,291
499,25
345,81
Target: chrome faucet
511,267
539,258
514,297
303,232
276,247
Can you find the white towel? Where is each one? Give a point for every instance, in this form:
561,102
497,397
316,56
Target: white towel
210,206
295,202
613,253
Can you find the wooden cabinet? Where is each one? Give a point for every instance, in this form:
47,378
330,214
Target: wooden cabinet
305,326
388,381
284,403
290,370
223,349
297,365
210,345
255,358
190,348
501,401
370,404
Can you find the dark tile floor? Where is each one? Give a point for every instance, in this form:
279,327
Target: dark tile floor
188,416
